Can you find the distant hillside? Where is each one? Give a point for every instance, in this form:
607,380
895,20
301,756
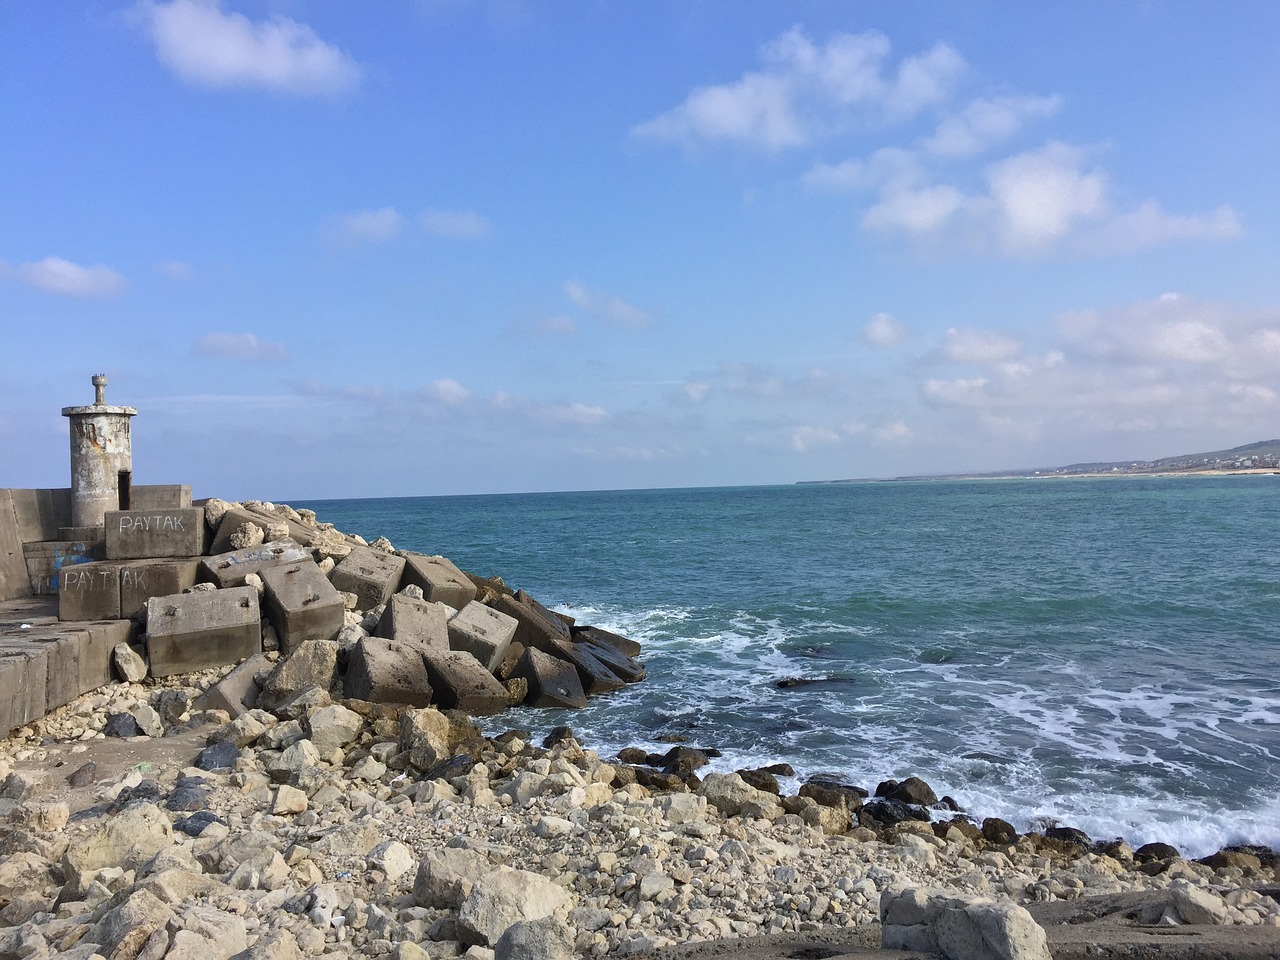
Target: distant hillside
1263,455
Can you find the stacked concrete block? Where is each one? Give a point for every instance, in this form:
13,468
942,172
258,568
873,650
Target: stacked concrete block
598,635
230,569
460,681
238,691
160,496
552,682
230,525
24,677
595,676
141,580
482,632
14,582
439,579
301,603
195,631
372,575
45,560
79,657
536,625
89,591
386,672
415,623
143,534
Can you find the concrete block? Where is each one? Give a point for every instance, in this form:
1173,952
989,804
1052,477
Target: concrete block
79,656
195,631
301,603
141,534
439,579
595,676
622,644
299,531
237,692
160,496
460,681
384,672
627,668
14,582
40,514
372,575
536,625
140,580
45,559
552,682
24,674
230,569
482,632
415,622
89,591
99,639
62,651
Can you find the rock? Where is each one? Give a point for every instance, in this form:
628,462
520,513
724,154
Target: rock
1197,906
393,858
128,840
24,873
446,876
460,681
355,839
189,795
276,945
544,939
207,933
25,784
312,664
504,897
218,756
424,736
83,775
333,727
288,800
958,927
247,535
131,667
122,725
552,682
122,932
148,720
997,831
732,796
244,729
1149,852
911,790
293,761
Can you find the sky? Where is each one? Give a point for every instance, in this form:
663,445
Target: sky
479,246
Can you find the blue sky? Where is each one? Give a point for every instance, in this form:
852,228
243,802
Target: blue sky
456,246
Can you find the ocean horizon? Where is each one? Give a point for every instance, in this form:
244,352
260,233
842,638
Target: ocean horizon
1096,655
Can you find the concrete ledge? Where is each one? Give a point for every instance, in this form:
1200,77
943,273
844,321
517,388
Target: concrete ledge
195,631
89,591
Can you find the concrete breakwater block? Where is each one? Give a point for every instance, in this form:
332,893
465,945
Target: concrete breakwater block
483,632
439,579
372,575
597,635
229,569
45,559
595,676
301,603
24,677
139,534
416,623
536,625
141,580
381,671
460,681
195,631
89,591
552,682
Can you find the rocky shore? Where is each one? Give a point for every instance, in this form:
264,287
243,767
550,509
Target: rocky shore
263,811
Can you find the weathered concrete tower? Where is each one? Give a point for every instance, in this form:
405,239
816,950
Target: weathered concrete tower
101,463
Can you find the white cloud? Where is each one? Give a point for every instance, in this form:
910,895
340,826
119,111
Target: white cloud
605,306
915,210
884,330
210,47
987,121
807,90
697,392
1041,195
559,325
1148,226
365,226
175,269
806,438
979,346
579,413
55,275
896,431
455,224
240,346
449,392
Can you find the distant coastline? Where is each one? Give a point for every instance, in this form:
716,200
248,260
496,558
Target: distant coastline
1252,459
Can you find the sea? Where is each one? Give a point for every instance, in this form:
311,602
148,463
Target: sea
1095,653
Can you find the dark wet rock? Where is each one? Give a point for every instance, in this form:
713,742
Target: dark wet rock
995,830
172,704
1149,852
625,773
145,791
682,761
122,725
84,775
788,683
623,645
195,824
626,668
190,794
885,813
633,755
911,790
672,738
1069,835
656,780
968,828
557,735
949,803
780,769
510,735
761,780
830,794
458,765
218,756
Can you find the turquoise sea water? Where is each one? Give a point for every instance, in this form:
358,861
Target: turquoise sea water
1105,653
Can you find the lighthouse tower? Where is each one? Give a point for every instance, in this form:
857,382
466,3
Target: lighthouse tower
101,463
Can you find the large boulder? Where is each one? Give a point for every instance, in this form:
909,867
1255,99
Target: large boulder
127,840
381,671
460,681
505,897
733,797
446,875
313,663
425,737
959,927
